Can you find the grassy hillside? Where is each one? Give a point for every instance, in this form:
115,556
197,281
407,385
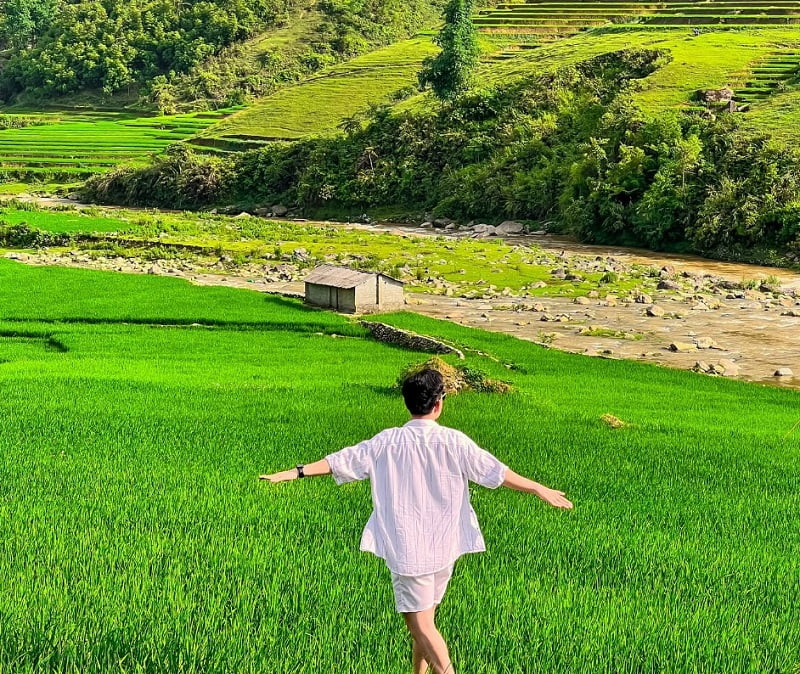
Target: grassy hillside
136,413
320,103
761,65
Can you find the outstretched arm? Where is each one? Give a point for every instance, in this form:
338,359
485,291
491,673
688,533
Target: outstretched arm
320,467
552,496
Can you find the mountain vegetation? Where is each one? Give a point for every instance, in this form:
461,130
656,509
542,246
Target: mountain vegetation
55,48
569,148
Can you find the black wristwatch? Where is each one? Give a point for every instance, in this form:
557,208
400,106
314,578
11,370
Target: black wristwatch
300,472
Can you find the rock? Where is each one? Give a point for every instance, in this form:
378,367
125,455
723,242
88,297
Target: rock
682,347
702,366
726,368
655,311
426,225
791,312
701,306
582,300
449,227
537,285
705,343
279,209
572,276
643,298
593,294
784,372
724,95
483,231
441,223
262,212
538,307
301,254
509,227
666,284
244,214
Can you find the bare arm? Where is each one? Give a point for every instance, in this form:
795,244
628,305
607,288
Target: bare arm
552,496
320,467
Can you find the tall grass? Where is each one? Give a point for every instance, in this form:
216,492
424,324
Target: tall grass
136,537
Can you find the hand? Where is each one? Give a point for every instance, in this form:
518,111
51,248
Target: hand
554,497
283,476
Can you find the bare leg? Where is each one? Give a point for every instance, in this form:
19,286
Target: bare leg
428,640
420,665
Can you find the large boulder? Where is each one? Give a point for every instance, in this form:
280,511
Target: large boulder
717,95
280,210
509,227
482,231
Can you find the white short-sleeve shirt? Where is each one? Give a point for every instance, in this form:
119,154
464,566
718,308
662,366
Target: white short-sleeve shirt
422,520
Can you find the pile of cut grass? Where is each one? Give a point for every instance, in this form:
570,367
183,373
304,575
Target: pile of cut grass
137,538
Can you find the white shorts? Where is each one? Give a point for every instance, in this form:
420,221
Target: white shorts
419,593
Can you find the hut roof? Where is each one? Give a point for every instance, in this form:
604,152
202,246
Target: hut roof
340,277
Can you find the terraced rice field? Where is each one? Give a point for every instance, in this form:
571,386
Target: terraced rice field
137,411
538,22
76,145
320,103
551,19
774,73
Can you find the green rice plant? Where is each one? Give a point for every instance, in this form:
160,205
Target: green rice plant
136,536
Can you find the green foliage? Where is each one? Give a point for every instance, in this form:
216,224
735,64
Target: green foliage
115,44
185,52
22,121
179,178
22,22
450,72
23,236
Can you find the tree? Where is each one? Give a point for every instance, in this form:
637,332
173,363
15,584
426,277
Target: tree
449,73
22,21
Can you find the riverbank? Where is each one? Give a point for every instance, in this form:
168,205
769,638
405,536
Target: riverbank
686,312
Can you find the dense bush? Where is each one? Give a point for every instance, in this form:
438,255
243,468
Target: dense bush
112,44
568,147
23,236
177,179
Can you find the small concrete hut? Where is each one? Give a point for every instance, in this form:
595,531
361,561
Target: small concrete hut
352,291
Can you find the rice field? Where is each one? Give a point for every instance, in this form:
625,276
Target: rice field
320,103
72,146
137,411
552,19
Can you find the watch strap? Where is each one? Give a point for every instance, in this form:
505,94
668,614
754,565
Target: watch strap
300,472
